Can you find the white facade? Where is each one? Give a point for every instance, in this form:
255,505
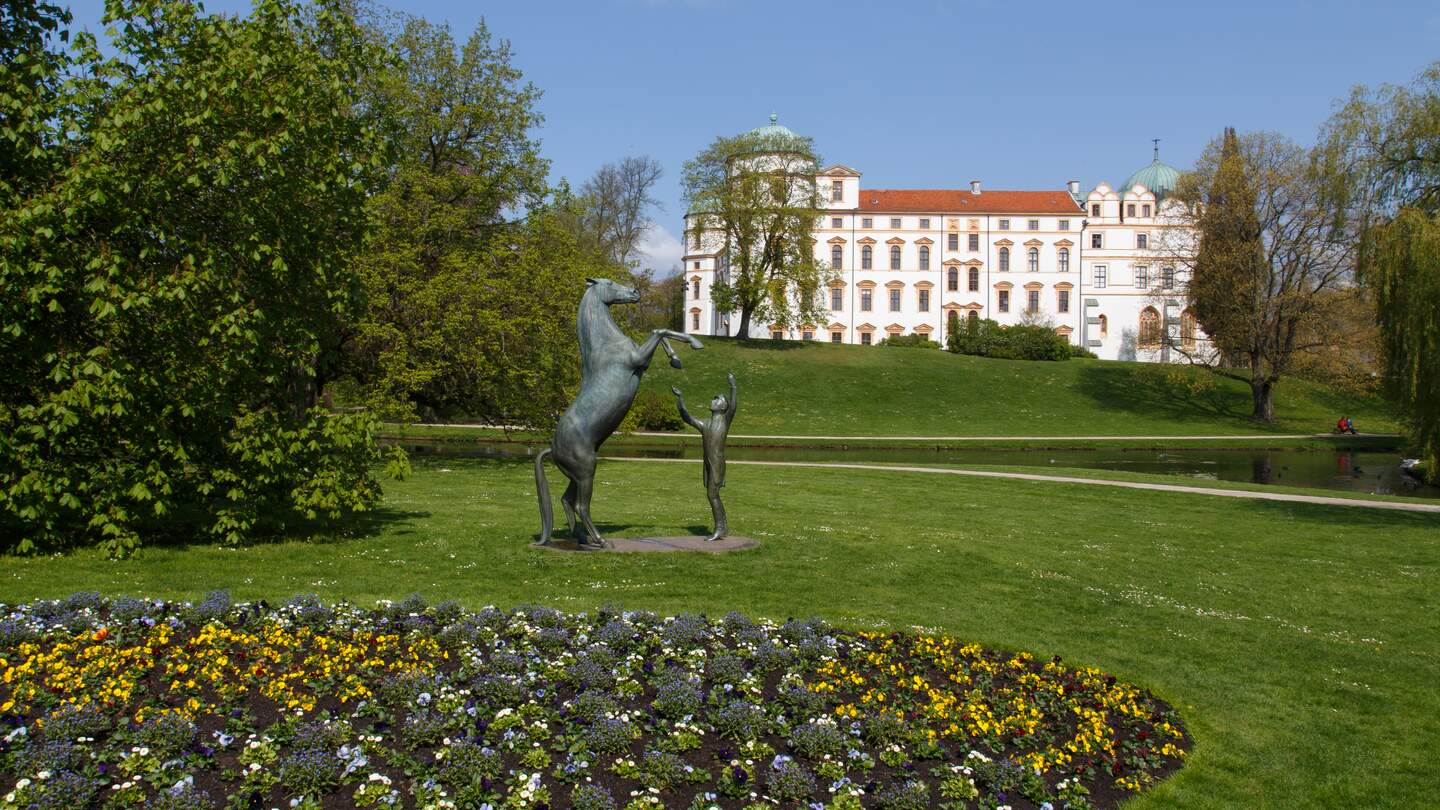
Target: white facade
909,260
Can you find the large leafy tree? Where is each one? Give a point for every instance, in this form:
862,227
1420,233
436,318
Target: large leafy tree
174,250
1276,243
1394,133
753,198
470,274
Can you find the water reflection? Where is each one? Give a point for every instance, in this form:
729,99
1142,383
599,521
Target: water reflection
1350,471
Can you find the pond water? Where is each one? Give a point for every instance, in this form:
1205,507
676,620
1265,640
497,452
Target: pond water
1351,471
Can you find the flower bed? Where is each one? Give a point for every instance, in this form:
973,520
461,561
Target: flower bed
149,704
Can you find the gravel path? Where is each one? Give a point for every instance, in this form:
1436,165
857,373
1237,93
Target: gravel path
1324,500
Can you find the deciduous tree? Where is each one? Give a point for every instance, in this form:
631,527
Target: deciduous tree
754,199
1395,133
1277,240
174,255
470,275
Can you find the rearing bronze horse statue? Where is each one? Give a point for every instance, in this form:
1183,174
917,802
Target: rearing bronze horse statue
611,368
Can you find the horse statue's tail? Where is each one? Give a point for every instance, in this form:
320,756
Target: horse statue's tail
542,490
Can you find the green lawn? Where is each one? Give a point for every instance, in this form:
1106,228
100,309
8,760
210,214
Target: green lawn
817,389
1302,643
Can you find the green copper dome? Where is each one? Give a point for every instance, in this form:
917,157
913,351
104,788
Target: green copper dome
772,129
1158,177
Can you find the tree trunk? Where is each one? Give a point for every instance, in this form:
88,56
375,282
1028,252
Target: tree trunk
1262,394
744,323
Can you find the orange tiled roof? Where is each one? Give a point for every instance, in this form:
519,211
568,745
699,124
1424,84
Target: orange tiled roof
959,201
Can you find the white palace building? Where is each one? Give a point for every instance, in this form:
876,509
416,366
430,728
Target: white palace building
907,261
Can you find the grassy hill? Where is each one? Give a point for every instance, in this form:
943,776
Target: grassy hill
817,389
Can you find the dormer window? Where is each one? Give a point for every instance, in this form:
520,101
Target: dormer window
837,191
1145,209
1130,210
1095,209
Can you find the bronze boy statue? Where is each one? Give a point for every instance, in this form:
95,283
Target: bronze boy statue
722,411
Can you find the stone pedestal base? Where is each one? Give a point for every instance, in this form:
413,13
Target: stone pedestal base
644,545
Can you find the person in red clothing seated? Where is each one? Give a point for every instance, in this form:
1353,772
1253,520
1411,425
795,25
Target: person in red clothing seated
1340,425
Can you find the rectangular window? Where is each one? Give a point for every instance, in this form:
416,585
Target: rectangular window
1130,210
924,300
973,280
777,335
837,190
1167,278
924,223
1095,210
694,321
1142,276
837,298
867,298
1004,224
867,222
894,300
837,222
1004,301
953,241
864,338
974,241
807,335
1100,271
697,265
1062,301
1142,240
1033,225
1063,225
1096,240
1146,209
836,337
895,222
1032,301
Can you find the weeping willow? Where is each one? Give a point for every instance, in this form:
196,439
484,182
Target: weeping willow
1401,263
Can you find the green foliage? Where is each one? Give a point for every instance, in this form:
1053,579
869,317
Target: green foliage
983,337
909,342
468,305
756,194
175,263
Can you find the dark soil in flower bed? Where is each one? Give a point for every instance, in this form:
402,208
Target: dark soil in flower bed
149,704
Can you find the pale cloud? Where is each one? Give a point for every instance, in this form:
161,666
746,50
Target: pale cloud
660,250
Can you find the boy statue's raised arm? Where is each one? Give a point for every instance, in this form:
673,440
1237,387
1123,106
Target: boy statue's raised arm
734,402
684,414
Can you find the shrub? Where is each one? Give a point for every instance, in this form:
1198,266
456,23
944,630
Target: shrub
652,410
986,338
909,342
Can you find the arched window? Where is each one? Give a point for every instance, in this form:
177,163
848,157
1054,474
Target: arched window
972,316
924,257
1104,327
695,288
836,255
1004,259
953,319
1149,328
894,257
952,280
1064,260
1187,331
866,257
1032,257
974,280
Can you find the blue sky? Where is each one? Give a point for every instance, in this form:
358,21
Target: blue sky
934,94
